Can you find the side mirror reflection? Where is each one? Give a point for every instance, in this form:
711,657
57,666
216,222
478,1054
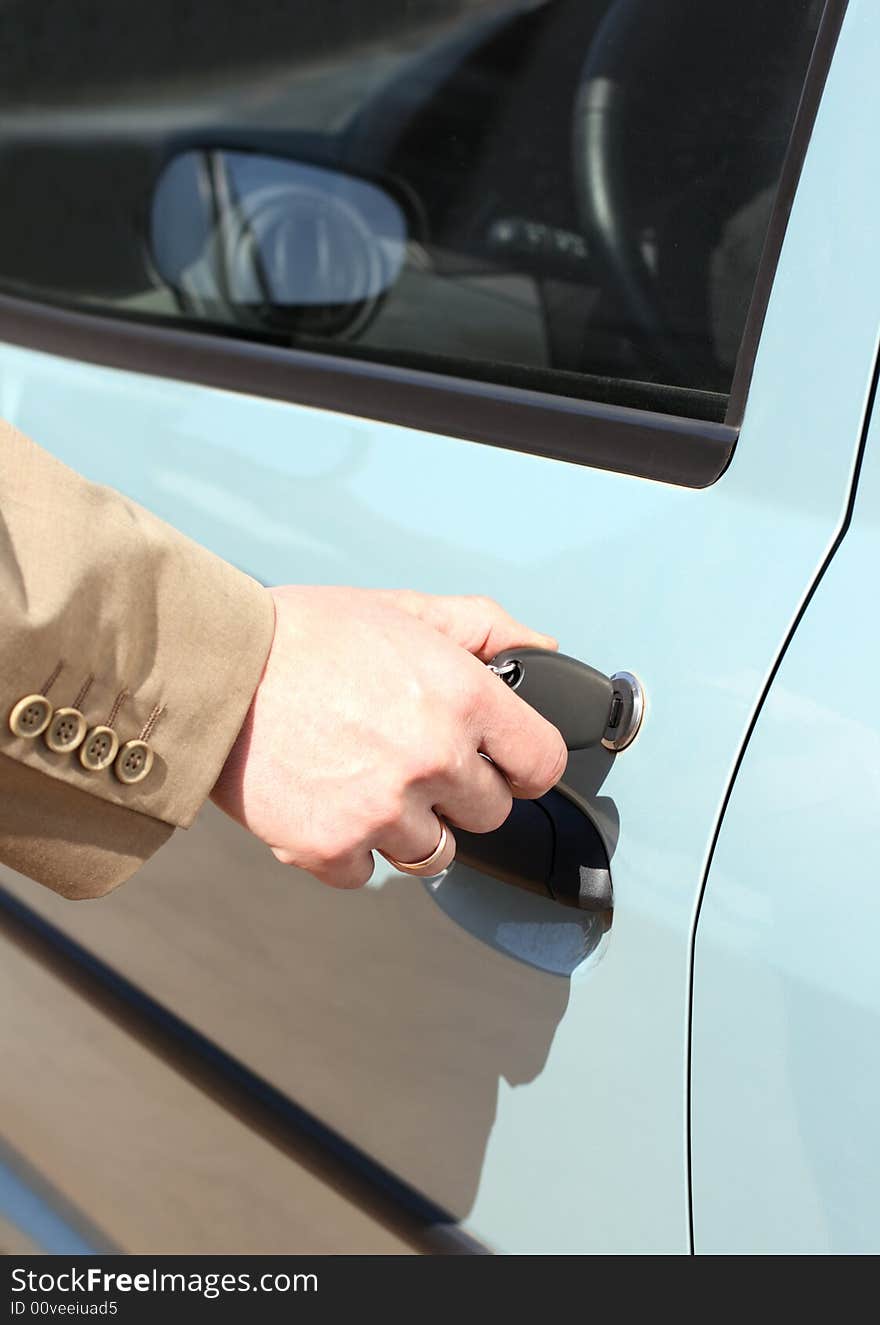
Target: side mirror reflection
262,240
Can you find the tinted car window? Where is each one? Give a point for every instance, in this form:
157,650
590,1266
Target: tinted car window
570,196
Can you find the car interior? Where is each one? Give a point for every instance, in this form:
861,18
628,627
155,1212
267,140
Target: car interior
568,196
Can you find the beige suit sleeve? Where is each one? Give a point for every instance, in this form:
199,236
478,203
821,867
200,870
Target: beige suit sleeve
106,609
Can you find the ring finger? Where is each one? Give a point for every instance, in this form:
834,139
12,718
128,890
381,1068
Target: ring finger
416,838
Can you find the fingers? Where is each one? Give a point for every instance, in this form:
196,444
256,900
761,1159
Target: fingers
476,797
347,870
479,799
405,742
477,624
416,837
527,749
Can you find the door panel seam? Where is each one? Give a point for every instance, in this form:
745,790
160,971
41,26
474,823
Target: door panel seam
753,722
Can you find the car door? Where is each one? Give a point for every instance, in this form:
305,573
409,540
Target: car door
571,305
786,1002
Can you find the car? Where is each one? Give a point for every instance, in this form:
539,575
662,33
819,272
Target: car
572,304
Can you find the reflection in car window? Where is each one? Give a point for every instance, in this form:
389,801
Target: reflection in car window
570,196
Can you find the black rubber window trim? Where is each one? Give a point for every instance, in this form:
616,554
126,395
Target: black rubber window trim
669,448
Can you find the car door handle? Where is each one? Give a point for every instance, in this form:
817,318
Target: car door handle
552,846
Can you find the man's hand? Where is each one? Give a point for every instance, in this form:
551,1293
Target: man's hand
370,720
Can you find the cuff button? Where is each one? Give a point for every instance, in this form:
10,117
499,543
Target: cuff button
133,762
99,749
66,730
30,716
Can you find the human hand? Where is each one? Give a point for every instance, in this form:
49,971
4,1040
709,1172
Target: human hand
370,721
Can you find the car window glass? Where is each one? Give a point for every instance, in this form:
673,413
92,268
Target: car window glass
569,196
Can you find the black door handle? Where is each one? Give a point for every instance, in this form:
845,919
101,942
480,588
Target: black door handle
552,846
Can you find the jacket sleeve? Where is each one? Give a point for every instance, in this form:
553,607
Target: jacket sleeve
128,659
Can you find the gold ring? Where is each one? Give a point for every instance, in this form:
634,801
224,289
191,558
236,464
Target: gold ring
420,866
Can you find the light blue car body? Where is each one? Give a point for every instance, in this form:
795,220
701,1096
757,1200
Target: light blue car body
608,1116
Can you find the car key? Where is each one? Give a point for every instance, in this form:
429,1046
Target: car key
586,706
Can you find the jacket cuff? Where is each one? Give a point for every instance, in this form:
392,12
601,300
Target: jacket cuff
185,697
131,633
73,843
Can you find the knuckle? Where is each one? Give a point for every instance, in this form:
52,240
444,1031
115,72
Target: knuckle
339,864
452,762
324,855
470,695
489,817
387,813
440,760
546,769
351,877
417,768
338,859
553,764
500,814
486,604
